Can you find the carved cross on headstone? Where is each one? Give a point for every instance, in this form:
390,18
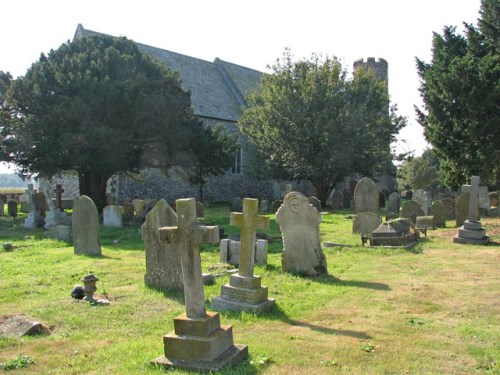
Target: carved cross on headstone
473,190
188,236
248,221
59,190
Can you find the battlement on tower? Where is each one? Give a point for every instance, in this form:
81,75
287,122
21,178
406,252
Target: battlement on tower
379,66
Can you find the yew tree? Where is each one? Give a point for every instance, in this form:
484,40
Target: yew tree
460,89
311,122
97,106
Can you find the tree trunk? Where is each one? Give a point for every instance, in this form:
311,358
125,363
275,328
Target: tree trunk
93,185
201,193
322,189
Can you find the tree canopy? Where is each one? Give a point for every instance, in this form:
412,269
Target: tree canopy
311,122
460,88
419,172
98,106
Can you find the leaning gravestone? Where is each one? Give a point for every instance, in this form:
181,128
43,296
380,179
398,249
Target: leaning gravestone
394,202
198,342
244,291
365,223
163,260
439,211
112,216
85,227
366,196
299,224
411,210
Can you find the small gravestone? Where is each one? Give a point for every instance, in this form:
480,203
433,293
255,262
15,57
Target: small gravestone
425,222
230,252
112,216
12,208
236,205
450,208
60,232
315,202
85,227
275,205
163,259
299,224
128,212
19,326
411,210
34,219
198,342
200,209
394,202
244,291
138,205
471,232
439,211
366,196
365,223
337,200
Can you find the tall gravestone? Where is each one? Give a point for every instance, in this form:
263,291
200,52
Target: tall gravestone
462,208
163,259
85,227
198,341
244,291
299,224
439,212
471,232
366,196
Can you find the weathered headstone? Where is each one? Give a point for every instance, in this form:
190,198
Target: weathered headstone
471,232
394,202
19,326
128,212
198,341
366,196
411,210
54,216
299,224
236,205
315,202
244,291
365,223
450,208
261,252
138,205
112,216
230,251
494,198
85,227
163,259
200,209
12,208
264,205
424,198
337,200
439,211
462,208
425,222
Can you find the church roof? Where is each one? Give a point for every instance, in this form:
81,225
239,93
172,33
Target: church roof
218,89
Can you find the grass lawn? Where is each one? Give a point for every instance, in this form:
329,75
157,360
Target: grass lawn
433,309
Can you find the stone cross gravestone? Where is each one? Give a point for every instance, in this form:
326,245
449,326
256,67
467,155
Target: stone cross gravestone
198,341
471,232
163,260
59,190
299,224
85,227
244,291
366,196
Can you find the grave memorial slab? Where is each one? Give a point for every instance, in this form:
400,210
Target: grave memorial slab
299,224
198,341
244,291
471,232
85,227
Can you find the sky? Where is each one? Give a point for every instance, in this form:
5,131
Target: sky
250,33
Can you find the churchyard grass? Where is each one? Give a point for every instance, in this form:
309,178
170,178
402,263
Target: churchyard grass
433,309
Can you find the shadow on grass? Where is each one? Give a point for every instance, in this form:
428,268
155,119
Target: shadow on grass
332,280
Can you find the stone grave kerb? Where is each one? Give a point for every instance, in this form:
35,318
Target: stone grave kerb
249,222
188,236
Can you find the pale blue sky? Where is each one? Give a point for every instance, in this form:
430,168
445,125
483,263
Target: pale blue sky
250,33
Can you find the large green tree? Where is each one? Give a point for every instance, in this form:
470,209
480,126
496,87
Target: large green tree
419,172
460,88
97,106
311,122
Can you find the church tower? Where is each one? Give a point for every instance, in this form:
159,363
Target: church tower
379,66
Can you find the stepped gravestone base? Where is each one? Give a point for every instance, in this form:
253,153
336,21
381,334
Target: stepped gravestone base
201,345
471,233
243,294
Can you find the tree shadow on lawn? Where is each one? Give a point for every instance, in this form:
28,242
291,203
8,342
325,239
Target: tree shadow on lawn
332,280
